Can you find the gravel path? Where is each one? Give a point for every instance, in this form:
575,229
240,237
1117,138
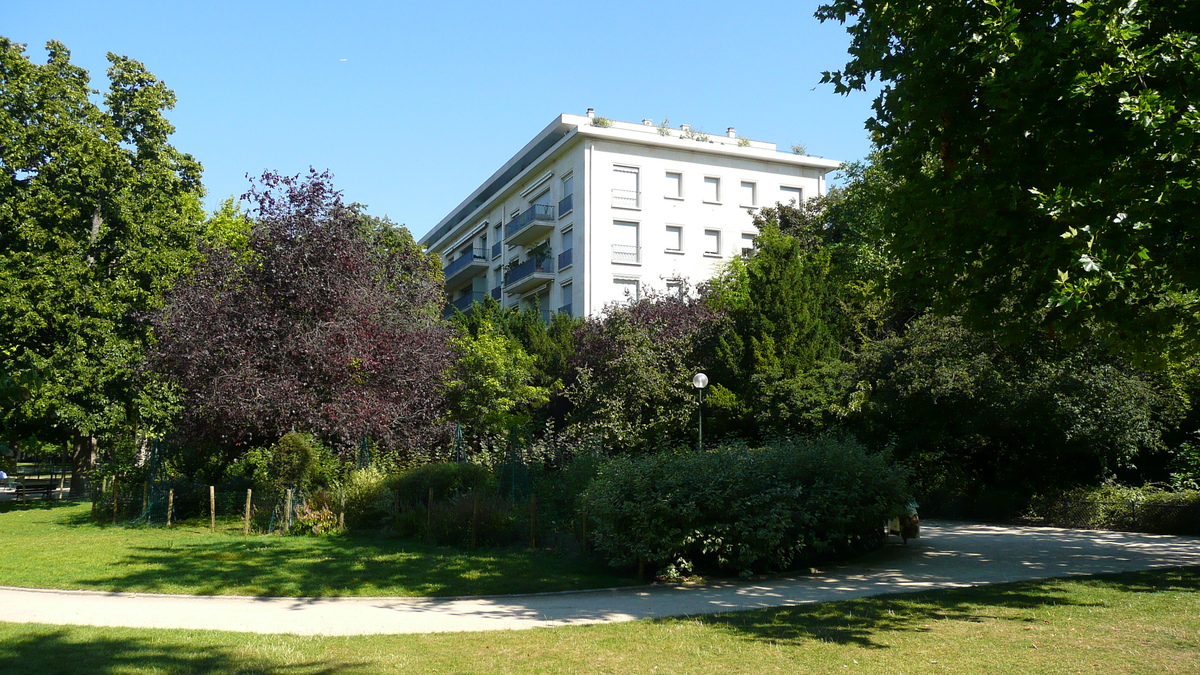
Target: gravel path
948,555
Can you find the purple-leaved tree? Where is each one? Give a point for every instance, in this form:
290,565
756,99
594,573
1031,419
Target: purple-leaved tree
327,321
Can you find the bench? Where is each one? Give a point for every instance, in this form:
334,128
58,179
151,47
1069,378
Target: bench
28,488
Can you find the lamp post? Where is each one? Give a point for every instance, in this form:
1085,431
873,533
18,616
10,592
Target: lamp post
700,381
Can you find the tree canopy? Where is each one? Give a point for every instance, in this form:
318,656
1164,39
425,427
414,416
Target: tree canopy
327,323
99,213
1049,160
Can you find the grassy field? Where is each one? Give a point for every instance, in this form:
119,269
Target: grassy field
55,545
1131,623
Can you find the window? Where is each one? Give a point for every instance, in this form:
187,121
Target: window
712,189
748,246
675,287
625,248
627,289
625,187
567,257
568,295
792,195
712,242
674,185
567,203
674,239
749,196
497,238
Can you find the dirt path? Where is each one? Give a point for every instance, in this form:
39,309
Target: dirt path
947,555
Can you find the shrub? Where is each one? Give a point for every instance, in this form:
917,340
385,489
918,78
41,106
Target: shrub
445,479
315,521
1112,507
365,492
745,509
489,515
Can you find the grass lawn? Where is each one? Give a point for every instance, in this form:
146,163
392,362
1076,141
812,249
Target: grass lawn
1130,623
55,545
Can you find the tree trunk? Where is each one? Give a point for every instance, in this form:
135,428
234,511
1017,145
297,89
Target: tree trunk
83,459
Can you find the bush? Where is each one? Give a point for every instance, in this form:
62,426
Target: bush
1111,507
745,509
365,492
412,487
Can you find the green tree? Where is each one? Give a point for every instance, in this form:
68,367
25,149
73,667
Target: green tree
978,416
1051,160
488,388
98,215
776,358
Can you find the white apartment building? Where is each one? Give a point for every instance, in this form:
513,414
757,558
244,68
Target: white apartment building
593,211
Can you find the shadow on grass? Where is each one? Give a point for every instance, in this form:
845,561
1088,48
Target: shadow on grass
53,650
10,505
340,565
857,622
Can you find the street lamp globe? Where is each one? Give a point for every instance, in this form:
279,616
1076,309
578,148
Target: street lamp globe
700,381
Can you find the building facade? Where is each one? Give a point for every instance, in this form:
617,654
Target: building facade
592,212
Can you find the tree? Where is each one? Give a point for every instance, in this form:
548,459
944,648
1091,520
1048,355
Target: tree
976,415
634,367
781,330
328,323
489,386
98,215
1050,155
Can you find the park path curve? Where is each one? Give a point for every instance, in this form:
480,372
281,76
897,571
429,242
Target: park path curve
948,555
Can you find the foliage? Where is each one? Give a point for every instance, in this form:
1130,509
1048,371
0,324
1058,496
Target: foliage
780,328
444,479
315,521
488,388
634,367
1050,159
745,509
296,461
99,215
330,325
972,412
365,494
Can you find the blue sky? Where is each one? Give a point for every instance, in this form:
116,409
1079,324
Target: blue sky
412,105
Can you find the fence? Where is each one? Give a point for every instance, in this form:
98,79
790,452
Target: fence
227,506
1128,516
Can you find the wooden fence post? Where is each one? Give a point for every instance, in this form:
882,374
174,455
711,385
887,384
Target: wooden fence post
212,507
533,521
170,505
246,523
429,518
287,518
145,496
116,492
474,518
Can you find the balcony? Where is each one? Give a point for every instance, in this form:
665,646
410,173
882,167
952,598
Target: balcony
626,255
497,249
496,293
465,267
464,303
565,309
565,204
626,199
566,258
529,275
534,223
